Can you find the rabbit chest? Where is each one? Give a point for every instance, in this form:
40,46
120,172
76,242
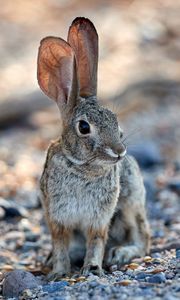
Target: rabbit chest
78,200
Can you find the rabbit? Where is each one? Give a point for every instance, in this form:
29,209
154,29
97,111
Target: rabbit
89,182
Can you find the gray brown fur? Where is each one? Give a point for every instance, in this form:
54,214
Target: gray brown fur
87,184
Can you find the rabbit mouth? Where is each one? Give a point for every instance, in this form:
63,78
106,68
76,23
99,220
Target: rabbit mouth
106,157
113,161
115,157
104,160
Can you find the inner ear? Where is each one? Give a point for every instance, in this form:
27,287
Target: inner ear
57,72
83,39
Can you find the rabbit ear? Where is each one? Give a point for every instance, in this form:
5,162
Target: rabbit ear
83,39
57,73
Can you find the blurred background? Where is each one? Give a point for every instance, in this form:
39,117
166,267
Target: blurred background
138,78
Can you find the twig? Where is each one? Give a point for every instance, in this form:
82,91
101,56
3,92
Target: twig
168,246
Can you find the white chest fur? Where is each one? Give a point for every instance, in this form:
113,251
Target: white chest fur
80,202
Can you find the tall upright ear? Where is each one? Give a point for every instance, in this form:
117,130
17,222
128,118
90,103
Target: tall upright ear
57,73
83,38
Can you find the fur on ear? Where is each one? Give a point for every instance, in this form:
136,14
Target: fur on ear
83,38
57,72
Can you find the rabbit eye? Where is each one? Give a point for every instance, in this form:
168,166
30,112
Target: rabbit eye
121,135
84,127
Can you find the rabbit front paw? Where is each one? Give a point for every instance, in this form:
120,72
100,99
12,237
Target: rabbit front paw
122,255
95,269
56,276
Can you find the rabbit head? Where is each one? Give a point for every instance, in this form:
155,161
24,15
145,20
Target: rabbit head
67,73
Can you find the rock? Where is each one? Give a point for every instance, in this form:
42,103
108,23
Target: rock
157,278
168,296
2,213
157,261
147,259
133,266
178,253
113,268
14,235
25,225
16,282
93,283
156,255
130,273
174,186
158,233
177,289
28,294
169,275
11,209
54,286
124,282
147,154
141,276
31,237
31,246
31,198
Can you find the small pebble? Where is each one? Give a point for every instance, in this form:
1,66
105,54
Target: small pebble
130,272
81,278
156,255
140,276
124,282
147,259
178,253
177,289
157,278
133,266
157,261
30,246
31,237
2,213
113,268
12,209
72,280
28,293
174,186
54,286
158,233
93,283
169,275
8,268
155,271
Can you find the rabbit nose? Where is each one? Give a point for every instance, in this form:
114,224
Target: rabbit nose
120,150
117,151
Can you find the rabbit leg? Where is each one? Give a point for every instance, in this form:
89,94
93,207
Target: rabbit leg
60,257
96,240
132,237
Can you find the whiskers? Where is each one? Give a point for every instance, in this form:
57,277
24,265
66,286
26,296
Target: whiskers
127,159
127,139
99,158
91,159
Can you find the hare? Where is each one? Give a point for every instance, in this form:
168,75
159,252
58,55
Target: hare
88,182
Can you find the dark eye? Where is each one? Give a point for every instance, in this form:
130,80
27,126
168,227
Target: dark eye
121,135
84,127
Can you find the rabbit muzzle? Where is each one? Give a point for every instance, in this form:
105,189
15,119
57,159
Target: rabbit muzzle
117,152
